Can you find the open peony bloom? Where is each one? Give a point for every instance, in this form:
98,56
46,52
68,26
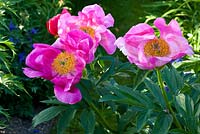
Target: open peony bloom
93,21
143,48
79,41
62,68
52,24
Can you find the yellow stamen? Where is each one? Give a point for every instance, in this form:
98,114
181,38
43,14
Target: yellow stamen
88,30
156,47
64,63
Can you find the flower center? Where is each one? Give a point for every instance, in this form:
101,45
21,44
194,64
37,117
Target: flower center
156,47
88,30
64,63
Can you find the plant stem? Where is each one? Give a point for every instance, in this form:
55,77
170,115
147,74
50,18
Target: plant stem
160,81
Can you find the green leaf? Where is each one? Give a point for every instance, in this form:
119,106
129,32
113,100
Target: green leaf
64,120
120,99
134,95
9,45
142,119
177,131
131,130
196,92
88,121
52,101
128,96
180,100
197,110
100,130
107,74
125,119
47,114
192,63
156,91
162,124
84,86
4,113
109,97
189,105
126,67
190,118
173,79
140,76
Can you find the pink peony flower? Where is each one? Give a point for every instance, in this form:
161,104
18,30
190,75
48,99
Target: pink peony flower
79,41
143,48
94,22
62,68
52,24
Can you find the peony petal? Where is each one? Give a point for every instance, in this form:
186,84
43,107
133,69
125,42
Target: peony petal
141,56
139,34
63,81
141,29
66,23
95,9
82,43
108,21
59,44
32,73
107,41
172,28
178,46
127,49
70,97
160,61
40,60
121,44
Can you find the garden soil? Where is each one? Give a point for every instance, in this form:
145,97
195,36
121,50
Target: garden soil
18,125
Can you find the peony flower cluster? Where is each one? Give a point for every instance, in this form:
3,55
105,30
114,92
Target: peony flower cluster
78,37
63,62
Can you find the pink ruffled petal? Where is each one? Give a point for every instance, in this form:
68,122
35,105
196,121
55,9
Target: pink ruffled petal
59,44
108,21
141,56
107,41
40,60
63,81
66,23
178,46
127,49
145,66
160,61
172,28
121,44
71,96
139,34
32,73
94,9
141,29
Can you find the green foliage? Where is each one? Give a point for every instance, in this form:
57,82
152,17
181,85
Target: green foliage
23,23
117,97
